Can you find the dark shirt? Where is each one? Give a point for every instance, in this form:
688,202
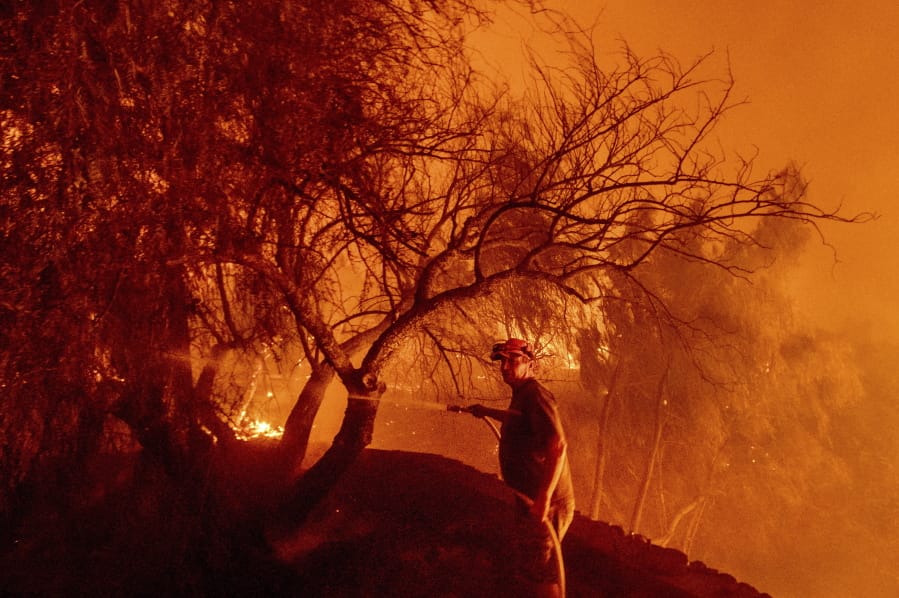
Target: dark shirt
525,438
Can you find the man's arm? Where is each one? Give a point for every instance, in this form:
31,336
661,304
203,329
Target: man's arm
500,415
552,471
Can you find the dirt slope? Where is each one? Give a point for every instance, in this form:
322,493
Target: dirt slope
412,524
399,525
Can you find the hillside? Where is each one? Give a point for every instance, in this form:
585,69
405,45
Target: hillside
399,524
407,524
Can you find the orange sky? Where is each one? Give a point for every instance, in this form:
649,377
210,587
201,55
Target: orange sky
822,85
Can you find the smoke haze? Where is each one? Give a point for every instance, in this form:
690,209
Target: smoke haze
820,92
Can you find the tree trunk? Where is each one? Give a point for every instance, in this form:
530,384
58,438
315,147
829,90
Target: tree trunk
675,522
297,429
694,525
159,402
354,435
637,517
203,402
600,471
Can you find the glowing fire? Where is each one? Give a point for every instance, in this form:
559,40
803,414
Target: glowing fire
255,429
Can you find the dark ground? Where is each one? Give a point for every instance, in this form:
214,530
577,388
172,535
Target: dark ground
407,524
399,524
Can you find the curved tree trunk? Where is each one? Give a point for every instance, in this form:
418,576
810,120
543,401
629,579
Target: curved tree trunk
675,521
354,435
297,429
694,525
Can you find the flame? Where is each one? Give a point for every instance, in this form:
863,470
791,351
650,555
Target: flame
256,429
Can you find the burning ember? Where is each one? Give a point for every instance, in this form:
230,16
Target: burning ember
256,429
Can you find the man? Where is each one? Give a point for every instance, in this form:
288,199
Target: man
532,455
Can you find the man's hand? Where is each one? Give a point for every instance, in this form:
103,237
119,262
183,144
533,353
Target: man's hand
478,410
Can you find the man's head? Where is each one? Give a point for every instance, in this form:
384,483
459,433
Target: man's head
513,347
516,360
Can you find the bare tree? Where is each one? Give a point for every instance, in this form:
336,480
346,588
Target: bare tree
196,181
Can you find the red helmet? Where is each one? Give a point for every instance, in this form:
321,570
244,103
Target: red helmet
511,348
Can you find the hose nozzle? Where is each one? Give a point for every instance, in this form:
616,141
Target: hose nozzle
456,408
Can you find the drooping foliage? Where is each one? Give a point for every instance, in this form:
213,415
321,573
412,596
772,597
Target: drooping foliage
147,148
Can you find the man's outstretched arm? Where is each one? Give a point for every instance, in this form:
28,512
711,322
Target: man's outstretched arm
500,415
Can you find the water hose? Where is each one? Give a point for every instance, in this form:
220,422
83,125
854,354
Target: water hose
528,501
